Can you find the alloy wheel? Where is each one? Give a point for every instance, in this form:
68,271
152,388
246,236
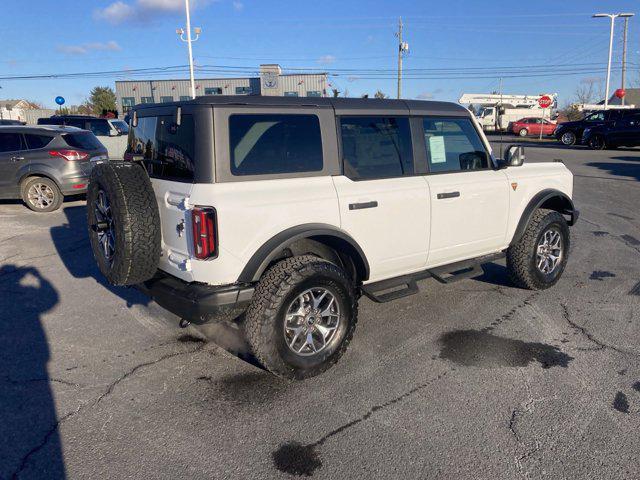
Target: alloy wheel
104,226
312,321
41,195
549,251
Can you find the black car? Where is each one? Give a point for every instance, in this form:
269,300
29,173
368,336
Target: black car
42,164
624,132
11,122
570,133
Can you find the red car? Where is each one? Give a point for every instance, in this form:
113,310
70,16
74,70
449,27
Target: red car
532,126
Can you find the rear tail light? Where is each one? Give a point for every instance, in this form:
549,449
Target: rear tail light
205,232
69,155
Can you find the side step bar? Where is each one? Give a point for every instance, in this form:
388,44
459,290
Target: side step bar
398,287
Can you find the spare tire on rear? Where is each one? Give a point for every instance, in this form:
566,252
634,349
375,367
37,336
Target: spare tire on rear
124,222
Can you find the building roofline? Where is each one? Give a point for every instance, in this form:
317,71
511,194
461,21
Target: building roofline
219,79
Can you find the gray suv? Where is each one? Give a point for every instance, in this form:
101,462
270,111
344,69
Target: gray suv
42,164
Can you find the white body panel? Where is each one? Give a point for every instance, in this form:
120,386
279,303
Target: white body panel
251,213
395,234
471,224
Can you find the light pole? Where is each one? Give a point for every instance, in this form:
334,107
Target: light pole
613,17
189,40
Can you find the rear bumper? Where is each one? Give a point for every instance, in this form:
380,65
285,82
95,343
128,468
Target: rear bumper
197,302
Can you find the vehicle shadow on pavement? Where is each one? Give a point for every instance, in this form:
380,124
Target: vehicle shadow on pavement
72,244
495,274
619,169
30,444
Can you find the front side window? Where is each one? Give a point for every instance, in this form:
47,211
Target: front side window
275,144
376,147
453,145
37,141
121,127
10,142
213,91
595,117
100,128
166,148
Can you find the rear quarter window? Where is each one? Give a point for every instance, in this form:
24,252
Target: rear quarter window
268,144
35,141
83,140
167,149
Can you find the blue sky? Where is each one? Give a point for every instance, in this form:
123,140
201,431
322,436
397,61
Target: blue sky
472,43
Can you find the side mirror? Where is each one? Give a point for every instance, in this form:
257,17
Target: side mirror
513,156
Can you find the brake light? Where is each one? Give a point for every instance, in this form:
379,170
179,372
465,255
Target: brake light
205,240
69,155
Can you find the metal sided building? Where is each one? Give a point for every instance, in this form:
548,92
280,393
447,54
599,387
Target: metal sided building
270,82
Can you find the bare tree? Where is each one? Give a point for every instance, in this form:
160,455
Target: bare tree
380,94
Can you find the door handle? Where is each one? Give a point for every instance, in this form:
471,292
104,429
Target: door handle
448,195
16,159
360,206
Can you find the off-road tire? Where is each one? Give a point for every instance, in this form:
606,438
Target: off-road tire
136,222
521,257
263,323
57,195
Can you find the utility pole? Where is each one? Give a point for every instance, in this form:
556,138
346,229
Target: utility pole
189,39
624,54
402,48
612,17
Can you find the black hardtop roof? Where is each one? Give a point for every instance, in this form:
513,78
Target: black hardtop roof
341,105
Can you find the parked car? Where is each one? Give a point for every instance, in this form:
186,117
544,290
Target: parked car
532,126
288,209
570,133
4,122
624,132
111,132
42,164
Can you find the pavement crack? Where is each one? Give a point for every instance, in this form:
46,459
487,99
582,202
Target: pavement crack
599,345
297,459
25,459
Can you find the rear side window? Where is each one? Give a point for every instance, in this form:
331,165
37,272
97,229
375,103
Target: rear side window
376,147
10,142
275,144
167,149
37,141
83,140
453,145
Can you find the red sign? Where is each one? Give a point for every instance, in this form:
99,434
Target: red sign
620,93
545,101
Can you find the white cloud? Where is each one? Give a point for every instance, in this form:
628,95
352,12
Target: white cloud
238,6
326,60
425,96
142,10
110,46
117,12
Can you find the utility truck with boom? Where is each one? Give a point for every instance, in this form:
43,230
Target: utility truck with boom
497,112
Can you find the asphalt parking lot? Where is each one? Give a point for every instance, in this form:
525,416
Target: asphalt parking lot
472,380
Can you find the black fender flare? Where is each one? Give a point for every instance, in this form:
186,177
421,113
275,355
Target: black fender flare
556,200
265,255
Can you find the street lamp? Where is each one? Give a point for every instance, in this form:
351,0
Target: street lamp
189,39
613,17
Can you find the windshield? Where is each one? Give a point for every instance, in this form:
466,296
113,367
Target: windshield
121,127
485,111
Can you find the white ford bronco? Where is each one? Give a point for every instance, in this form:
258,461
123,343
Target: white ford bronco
279,213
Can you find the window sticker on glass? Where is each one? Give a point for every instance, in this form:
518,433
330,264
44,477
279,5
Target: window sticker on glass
436,148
